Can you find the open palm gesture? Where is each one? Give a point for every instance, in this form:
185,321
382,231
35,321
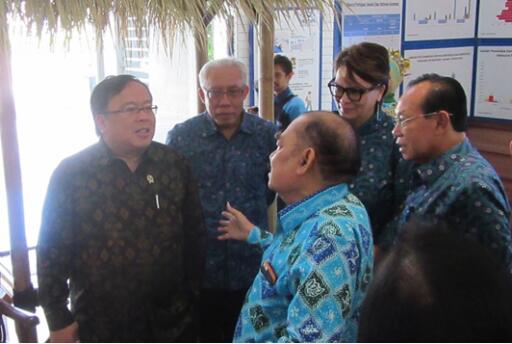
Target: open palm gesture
234,225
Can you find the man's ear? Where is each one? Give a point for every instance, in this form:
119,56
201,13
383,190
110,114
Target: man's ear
202,95
289,76
245,91
443,120
100,122
307,161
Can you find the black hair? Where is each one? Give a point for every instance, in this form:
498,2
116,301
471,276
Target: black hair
336,145
447,94
284,62
108,88
369,61
437,285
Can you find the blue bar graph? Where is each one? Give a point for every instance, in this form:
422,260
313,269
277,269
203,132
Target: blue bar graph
371,25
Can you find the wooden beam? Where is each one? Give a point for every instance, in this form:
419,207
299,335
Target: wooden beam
266,66
201,43
266,84
13,185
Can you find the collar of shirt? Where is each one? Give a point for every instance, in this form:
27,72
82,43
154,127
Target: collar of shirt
281,97
105,155
209,128
429,172
376,122
296,213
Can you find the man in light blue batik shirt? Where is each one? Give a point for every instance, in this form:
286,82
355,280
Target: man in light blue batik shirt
451,181
316,267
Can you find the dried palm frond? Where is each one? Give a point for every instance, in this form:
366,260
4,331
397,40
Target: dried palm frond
167,17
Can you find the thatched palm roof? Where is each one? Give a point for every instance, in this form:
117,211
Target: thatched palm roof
168,17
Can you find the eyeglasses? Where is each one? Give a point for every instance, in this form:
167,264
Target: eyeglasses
401,121
354,94
132,110
232,93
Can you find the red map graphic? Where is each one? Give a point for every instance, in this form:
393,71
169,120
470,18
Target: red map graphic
506,14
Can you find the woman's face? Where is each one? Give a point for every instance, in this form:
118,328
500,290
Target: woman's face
357,112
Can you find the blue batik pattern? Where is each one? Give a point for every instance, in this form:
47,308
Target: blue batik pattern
234,170
322,254
383,180
463,189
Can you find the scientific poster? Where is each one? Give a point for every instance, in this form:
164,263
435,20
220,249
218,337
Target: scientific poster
495,20
493,91
439,19
372,21
454,62
299,40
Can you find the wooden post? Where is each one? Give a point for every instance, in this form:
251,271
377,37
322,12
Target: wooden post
266,83
266,77
13,186
201,41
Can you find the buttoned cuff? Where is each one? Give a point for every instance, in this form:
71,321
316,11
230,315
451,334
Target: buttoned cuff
254,235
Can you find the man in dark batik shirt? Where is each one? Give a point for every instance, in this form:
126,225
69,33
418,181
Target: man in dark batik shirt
122,222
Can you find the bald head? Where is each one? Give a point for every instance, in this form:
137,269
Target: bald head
335,143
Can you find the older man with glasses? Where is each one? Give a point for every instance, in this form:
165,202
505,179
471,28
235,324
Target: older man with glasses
122,224
452,181
229,153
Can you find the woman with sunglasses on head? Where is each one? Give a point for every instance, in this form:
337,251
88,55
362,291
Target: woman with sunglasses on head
360,84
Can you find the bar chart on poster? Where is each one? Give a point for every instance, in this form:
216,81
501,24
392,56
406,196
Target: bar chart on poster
495,19
493,91
453,62
372,21
441,19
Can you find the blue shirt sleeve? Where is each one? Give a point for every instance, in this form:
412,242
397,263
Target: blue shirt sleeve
294,108
479,211
260,237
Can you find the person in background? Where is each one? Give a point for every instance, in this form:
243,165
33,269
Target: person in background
287,106
228,150
316,266
436,285
123,225
452,181
361,81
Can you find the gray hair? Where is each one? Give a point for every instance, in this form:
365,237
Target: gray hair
224,62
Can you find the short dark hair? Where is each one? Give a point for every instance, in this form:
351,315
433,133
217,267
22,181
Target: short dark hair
284,62
336,145
436,285
111,86
369,61
447,94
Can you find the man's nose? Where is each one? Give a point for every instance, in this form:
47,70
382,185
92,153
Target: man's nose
397,130
143,115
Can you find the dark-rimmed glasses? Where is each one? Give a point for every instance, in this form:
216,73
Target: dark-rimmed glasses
132,110
354,94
